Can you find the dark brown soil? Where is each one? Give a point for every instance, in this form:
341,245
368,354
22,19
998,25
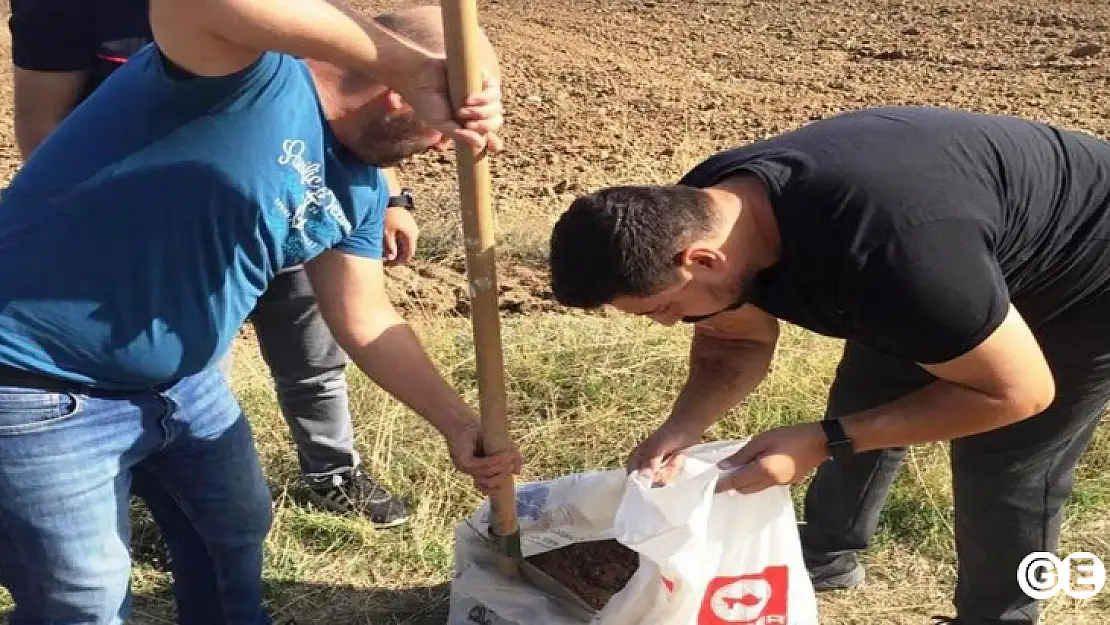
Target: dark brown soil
439,289
595,571
602,92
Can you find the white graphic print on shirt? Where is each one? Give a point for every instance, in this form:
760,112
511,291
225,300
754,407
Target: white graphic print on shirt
315,216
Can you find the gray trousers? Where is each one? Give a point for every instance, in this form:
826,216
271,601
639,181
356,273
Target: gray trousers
1009,485
307,367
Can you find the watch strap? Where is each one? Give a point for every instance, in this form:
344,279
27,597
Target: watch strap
837,441
404,200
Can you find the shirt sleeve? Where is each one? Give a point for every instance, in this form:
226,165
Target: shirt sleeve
366,238
53,35
932,292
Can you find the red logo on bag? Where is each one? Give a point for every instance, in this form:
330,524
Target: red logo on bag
668,584
759,599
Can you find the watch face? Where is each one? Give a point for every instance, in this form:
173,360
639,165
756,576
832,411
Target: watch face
403,201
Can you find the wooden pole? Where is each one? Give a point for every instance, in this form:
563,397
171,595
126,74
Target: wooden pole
460,25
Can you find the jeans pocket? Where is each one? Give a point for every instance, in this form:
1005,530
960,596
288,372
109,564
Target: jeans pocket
27,410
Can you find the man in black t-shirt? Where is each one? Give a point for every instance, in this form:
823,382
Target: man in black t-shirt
966,260
62,51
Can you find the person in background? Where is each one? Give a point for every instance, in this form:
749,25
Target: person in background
136,240
62,51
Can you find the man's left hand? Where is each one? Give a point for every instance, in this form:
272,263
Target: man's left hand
777,457
401,233
476,123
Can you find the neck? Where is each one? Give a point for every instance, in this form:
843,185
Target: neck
343,93
752,232
327,79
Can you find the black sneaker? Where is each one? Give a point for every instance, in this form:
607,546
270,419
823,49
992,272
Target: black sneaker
358,493
841,573
849,579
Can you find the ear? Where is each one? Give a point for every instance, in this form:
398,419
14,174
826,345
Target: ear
698,257
393,101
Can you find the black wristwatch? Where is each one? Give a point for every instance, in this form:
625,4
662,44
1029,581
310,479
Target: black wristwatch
839,445
404,200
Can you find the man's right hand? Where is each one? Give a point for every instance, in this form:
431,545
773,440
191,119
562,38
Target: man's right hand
729,358
464,444
350,292
658,458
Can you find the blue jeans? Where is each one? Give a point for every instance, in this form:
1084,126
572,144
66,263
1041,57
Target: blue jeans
69,460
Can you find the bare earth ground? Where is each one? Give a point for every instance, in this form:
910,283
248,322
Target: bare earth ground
620,91
616,91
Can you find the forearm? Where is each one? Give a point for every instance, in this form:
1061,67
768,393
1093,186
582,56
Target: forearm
390,354
326,31
941,411
722,374
391,181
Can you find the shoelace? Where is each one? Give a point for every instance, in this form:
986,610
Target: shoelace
363,486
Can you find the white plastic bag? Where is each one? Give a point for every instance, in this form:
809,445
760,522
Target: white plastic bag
705,558
713,559
551,514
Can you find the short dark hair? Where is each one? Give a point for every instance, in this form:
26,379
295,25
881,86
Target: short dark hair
421,25
622,241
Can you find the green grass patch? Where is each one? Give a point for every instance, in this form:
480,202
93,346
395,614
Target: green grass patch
583,390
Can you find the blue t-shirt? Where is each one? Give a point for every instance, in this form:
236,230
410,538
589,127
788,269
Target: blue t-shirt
137,239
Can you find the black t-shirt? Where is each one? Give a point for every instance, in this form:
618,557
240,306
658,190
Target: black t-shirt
911,229
78,35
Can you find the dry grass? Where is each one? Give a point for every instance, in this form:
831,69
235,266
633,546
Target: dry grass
584,389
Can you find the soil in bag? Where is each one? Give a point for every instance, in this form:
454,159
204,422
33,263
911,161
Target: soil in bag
595,571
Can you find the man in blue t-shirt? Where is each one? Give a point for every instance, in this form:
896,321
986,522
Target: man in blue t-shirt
63,51
137,239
